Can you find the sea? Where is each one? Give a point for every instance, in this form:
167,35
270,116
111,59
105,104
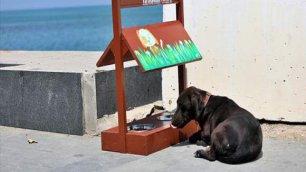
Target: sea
68,29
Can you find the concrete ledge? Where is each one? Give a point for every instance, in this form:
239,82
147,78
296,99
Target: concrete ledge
140,89
44,101
64,92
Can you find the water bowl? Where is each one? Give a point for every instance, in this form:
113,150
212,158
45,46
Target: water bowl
141,127
166,116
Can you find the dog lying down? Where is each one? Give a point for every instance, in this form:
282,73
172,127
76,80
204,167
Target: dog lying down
231,133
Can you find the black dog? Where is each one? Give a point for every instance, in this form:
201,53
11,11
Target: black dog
233,135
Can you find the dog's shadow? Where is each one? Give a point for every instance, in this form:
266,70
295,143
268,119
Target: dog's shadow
184,143
258,157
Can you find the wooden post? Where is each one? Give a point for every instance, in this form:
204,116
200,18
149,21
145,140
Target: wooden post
182,77
120,90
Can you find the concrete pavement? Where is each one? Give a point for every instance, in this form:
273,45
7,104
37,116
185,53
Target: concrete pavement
60,152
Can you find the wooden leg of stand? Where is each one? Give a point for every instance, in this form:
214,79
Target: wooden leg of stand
120,91
182,78
181,69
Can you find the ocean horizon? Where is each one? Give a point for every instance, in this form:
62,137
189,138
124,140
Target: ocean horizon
87,28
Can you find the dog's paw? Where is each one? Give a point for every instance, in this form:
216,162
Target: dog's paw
207,148
199,153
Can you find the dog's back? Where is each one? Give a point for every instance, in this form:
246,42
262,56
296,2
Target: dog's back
238,138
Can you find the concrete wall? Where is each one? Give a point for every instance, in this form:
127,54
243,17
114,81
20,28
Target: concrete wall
46,101
65,92
140,88
254,52
69,102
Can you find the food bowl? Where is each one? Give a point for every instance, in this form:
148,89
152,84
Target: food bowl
141,127
166,116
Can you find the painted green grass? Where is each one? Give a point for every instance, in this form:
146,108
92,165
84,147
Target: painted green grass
169,55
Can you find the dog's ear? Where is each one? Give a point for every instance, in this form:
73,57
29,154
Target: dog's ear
195,102
195,105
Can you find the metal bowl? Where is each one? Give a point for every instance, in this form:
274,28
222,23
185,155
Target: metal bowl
141,127
166,116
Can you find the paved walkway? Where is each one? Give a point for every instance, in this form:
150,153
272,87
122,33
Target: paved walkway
59,152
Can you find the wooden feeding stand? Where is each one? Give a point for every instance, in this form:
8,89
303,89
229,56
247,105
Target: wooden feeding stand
154,47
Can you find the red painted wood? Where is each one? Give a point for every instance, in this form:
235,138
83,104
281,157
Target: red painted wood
167,32
147,142
108,57
182,73
120,90
118,139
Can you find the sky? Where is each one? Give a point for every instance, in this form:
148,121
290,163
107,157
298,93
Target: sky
40,4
